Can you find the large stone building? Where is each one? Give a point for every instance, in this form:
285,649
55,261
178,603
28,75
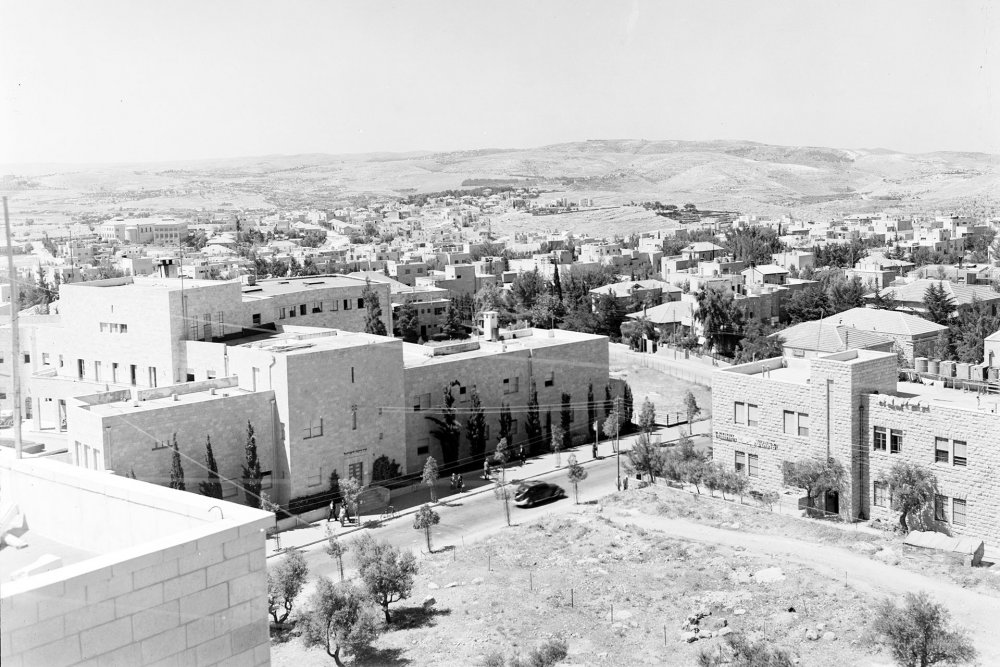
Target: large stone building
850,406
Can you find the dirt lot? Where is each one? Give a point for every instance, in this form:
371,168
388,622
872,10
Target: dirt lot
620,595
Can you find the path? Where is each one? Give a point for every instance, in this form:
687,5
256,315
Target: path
979,614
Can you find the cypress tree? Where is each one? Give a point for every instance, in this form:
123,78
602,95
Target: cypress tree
251,470
176,470
213,487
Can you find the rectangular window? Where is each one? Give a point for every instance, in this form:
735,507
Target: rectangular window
313,429
879,439
423,447
941,453
255,318
550,379
895,441
940,503
361,303
123,328
45,358
97,371
960,452
333,305
352,374
347,304
292,312
317,306
281,313
880,495
790,423
27,357
958,512
354,420
752,414
803,425
741,461
740,413
753,465
302,309
357,471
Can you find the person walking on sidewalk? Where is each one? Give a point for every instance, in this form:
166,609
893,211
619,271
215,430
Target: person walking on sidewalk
461,484
486,469
521,454
331,512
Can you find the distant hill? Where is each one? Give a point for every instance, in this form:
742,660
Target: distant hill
730,175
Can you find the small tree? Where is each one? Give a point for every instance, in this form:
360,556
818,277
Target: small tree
739,651
386,572
917,634
212,487
407,323
911,488
430,476
284,583
336,549
645,458
816,477
502,455
475,426
575,473
373,310
627,406
737,483
609,404
176,469
532,420
252,474
506,423
557,443
612,427
339,617
691,407
447,431
502,493
350,492
566,422
423,520
647,416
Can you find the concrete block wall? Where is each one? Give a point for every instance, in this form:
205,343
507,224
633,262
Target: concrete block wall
181,586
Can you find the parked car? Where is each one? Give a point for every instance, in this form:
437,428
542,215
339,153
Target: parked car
532,493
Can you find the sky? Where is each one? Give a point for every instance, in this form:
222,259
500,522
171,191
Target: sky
107,81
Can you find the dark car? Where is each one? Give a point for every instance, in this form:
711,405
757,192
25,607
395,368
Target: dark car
532,493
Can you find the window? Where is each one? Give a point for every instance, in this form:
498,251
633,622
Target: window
79,369
281,313
97,371
941,452
352,374
741,461
302,309
354,419
550,379
45,358
122,328
958,512
361,303
292,312
959,454
740,413
753,465
790,424
940,502
880,495
255,318
347,304
114,371
798,353
752,414
423,447
317,306
878,439
27,357
510,385
357,471
313,429
895,441
803,425
333,305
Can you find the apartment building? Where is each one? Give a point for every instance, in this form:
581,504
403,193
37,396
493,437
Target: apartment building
851,406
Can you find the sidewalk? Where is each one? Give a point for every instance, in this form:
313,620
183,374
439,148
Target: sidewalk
408,501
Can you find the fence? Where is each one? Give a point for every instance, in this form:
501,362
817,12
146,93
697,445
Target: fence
671,362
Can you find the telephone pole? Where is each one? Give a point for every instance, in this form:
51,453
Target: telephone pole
15,347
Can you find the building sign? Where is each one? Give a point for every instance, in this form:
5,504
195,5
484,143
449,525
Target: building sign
758,443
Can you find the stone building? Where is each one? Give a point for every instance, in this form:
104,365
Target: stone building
850,406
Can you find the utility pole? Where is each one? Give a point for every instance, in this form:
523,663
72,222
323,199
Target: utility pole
15,347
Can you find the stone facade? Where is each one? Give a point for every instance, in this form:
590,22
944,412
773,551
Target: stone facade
845,397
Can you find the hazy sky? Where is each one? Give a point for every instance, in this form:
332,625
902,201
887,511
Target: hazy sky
102,81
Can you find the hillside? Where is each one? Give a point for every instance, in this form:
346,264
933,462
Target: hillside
731,175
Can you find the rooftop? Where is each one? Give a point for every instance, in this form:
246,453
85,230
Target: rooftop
299,340
889,322
265,289
514,341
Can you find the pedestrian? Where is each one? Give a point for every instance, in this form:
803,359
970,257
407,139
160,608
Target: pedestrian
626,482
343,515
486,469
461,484
520,451
331,512
595,450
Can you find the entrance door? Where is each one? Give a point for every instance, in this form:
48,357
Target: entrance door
832,502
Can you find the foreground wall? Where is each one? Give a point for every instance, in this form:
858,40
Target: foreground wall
190,588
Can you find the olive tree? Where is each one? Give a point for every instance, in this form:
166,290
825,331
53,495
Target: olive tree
386,572
423,520
575,473
340,618
284,583
335,549
917,634
911,488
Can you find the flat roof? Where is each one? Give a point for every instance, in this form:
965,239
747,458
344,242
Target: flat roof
265,289
935,393
149,283
422,355
127,407
302,340
38,545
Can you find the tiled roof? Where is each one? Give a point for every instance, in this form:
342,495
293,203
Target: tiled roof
913,292
888,322
667,313
827,337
